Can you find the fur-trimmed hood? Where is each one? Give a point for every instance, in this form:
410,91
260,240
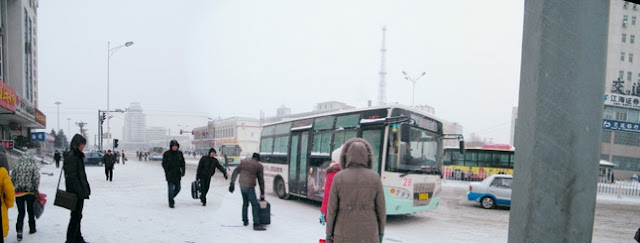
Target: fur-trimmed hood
356,152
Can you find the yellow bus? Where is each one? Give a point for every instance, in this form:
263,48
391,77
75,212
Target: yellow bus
476,164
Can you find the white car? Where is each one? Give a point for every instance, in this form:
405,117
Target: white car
492,191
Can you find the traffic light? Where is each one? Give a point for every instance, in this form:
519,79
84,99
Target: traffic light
180,131
115,143
104,117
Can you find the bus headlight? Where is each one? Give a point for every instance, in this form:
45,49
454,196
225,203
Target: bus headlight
400,193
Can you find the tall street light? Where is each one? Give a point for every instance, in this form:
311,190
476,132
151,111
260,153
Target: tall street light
413,80
58,104
111,51
68,127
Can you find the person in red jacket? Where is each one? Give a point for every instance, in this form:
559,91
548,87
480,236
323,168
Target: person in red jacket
332,170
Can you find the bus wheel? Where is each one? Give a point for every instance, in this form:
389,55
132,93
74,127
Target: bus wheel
281,189
487,203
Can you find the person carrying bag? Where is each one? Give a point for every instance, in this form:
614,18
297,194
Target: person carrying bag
76,183
26,178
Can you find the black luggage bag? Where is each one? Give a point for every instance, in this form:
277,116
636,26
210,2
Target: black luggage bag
195,189
264,212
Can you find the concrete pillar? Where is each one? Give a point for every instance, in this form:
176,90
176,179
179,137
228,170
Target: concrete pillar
559,120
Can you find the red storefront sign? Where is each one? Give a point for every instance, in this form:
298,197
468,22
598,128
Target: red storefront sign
7,144
7,97
41,118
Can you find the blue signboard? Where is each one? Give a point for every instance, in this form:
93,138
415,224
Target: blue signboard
620,126
37,136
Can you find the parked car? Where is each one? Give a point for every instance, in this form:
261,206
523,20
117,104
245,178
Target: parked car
93,158
492,191
156,157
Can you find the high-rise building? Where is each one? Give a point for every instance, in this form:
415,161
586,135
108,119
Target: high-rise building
621,126
134,130
156,136
19,70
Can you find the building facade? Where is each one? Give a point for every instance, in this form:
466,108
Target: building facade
19,70
241,131
134,131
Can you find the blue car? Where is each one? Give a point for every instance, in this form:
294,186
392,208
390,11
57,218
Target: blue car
93,158
492,191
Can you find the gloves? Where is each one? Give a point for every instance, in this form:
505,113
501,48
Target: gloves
226,177
231,187
322,219
328,239
381,236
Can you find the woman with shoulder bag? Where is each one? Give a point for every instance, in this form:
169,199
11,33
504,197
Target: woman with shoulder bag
26,176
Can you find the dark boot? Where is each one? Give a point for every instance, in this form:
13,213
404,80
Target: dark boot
32,227
259,228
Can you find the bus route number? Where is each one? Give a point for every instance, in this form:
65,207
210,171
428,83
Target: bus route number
407,182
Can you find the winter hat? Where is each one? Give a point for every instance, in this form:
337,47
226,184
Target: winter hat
335,156
173,143
212,150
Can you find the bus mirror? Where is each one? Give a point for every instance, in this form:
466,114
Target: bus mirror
461,146
405,132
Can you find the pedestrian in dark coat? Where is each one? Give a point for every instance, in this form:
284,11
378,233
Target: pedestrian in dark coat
109,160
206,169
57,158
76,182
249,170
356,211
173,164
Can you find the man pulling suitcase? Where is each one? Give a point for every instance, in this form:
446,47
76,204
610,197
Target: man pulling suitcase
250,169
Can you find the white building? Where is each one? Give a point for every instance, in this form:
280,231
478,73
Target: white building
156,136
134,130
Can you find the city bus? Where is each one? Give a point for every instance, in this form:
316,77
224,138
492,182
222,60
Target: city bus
231,153
476,164
407,150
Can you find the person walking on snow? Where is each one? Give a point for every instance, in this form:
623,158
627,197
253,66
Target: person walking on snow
206,169
249,170
356,210
332,170
26,178
173,164
57,158
109,160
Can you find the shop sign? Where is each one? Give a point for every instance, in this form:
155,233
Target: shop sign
37,136
7,97
41,118
24,107
7,144
627,101
620,126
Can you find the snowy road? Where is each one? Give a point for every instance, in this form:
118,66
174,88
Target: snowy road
133,208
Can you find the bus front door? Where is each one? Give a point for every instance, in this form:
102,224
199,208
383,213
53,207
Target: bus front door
298,158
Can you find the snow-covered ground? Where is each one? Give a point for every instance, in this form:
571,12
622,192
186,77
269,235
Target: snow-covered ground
134,208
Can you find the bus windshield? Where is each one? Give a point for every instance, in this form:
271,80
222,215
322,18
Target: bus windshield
231,150
416,154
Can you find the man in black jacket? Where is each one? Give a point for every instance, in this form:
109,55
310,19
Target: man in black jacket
57,158
173,164
206,169
76,182
109,160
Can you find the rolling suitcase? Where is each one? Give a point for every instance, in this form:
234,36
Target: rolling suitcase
195,189
264,212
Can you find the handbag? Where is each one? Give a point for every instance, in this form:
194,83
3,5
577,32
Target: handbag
63,198
38,204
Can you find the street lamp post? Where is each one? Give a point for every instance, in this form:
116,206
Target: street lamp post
68,127
111,51
58,104
413,80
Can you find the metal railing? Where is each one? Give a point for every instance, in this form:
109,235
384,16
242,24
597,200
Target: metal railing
619,188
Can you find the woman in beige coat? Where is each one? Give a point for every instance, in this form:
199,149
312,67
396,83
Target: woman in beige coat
356,211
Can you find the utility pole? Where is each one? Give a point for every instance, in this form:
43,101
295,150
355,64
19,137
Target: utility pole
83,131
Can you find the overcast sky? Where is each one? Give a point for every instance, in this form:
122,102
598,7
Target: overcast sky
197,59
